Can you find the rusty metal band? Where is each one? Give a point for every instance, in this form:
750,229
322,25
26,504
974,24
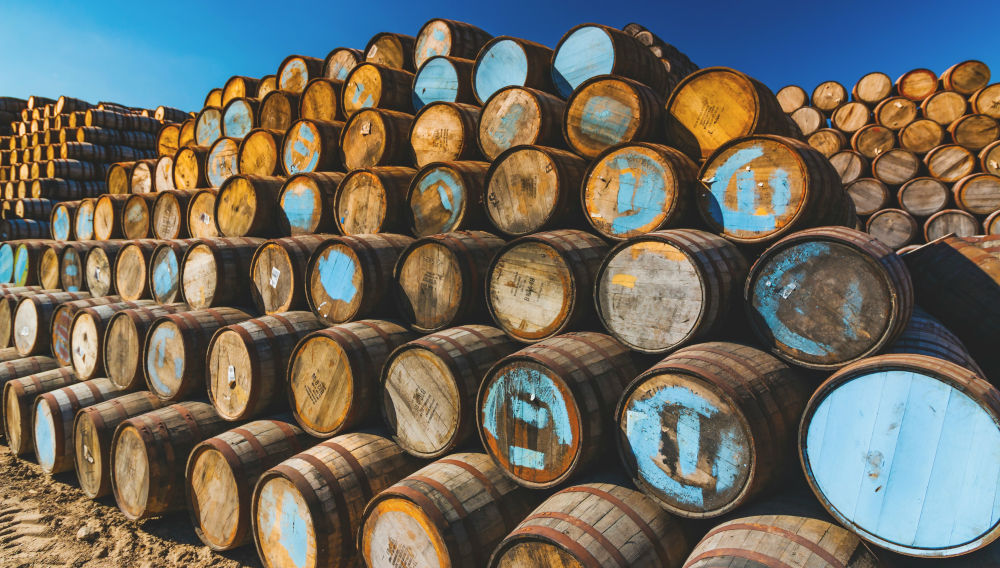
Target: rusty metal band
186,415
757,557
290,434
586,528
459,508
573,547
253,441
654,539
356,468
428,507
341,332
809,545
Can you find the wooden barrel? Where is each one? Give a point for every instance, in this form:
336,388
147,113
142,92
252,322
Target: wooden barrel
428,383
25,366
71,266
260,152
239,87
447,196
541,285
869,195
896,167
534,188
32,320
392,50
974,131
222,160
926,335
169,217
508,61
651,312
921,136
917,84
33,208
430,514
142,176
221,473
149,452
872,88
168,140
792,98
896,112
576,379
201,214
909,412
376,137
443,78
108,216
712,106
950,221
851,117
828,96
828,141
16,229
978,194
93,430
212,270
123,342
637,188
763,187
516,116
340,61
136,219
61,220
6,262
608,111
27,258
371,85
18,398
321,100
62,325
87,336
986,101
312,145
895,228
944,107
164,270
278,273
52,421
214,97
247,206
267,84
163,174
311,504
240,117
743,406
307,201
296,71
349,276
247,363
950,162
441,279
278,110
595,524
373,200
589,50
174,350
190,167
808,119
851,315
83,223
966,77
992,223
99,266
989,159
440,37
48,266
328,403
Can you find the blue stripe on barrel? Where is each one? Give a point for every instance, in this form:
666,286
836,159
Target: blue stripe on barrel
6,263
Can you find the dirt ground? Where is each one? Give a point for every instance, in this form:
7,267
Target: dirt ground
48,521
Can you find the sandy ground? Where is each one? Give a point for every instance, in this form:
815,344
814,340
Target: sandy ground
41,519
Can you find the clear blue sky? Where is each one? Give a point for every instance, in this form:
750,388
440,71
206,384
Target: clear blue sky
172,53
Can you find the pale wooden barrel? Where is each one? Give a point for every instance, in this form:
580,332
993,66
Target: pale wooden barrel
32,320
71,265
349,276
168,140
978,194
966,77
164,270
124,338
592,525
118,175
312,145
62,325
534,188
99,267
828,96
951,221
917,84
333,375
576,379
869,195
221,474
108,216
428,515
149,452
989,159
896,167
926,335
240,117
664,289
986,101
893,227
48,266
163,175
247,206
608,111
921,136
440,279
27,257
440,37
445,132
392,50
828,141
278,273
141,179
589,50
247,363
278,110
267,84
731,415
974,131
991,225
950,162
324,491
222,161
321,100
170,213
131,269
173,351
212,269
93,430
307,201
260,152
898,415
923,196
863,304
296,71
52,421
87,336
509,61
371,85
24,366
200,214
808,120
872,88
376,137
944,107
190,167
214,97
517,116
896,112
429,383
633,189
791,98
18,398
340,61
447,196
373,200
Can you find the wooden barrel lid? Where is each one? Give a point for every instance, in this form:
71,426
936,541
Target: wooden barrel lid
131,473
321,100
894,227
260,152
944,107
872,88
922,197
222,161
165,358
336,279
208,126
391,519
362,203
62,225
828,96
978,194
391,50
295,72
607,111
307,147
340,62
130,272
44,434
364,139
828,141
211,477
791,98
84,224
98,270
6,262
868,194
201,214
306,201
514,116
280,537
731,94
432,282
439,198
948,221
238,118
950,162
235,362
917,84
199,275
524,189
189,167
273,277
439,79
164,274
443,132
48,269
163,175
321,385
850,117
278,110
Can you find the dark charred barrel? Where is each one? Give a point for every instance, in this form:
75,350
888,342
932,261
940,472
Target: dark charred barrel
508,61
370,85
210,268
260,152
307,202
17,229
516,116
18,398
926,335
893,227
376,137
52,421
373,200
442,78
278,273
446,197
247,206
589,50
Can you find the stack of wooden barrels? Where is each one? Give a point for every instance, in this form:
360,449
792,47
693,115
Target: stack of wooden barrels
920,156
465,300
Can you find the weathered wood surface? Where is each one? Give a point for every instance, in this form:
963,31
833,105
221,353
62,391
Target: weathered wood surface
52,421
210,269
516,116
370,85
606,111
48,266
136,219
791,98
966,77
896,112
239,87
443,78
987,101
951,221
340,61
169,217
872,88
27,258
321,100
825,297
163,175
312,145
917,84
978,194
509,61
307,201
18,404
278,273
944,107
247,206
190,167
828,141
921,136
445,132
989,160
296,71
950,162
240,117
376,137
71,265
974,131
667,288
62,325
349,276
392,50
222,160
896,167
108,216
333,375
278,110
32,320
164,270
373,200
448,196
201,214
589,50
99,266
894,227
260,152
123,343
440,37
869,195
440,279
208,126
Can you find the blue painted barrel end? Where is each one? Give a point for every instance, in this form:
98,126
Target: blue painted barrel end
502,64
587,52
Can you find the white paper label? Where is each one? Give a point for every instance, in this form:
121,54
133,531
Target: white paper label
24,331
275,274
232,376
366,129
205,218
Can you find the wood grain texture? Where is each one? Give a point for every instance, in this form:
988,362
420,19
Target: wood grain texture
48,266
448,196
239,117
896,167
589,50
247,206
278,273
872,88
791,98
307,202
894,227
828,141
136,219
392,50
869,195
926,335
62,325
222,160
123,342
163,175
978,194
108,215
921,136
966,77
210,267
238,87
944,107
312,145
278,110
445,132
296,71
373,200
443,78
951,221
32,319
808,119
974,131
87,336
508,61
169,216
917,84
987,101
828,96
370,85
340,61
516,116
18,403
164,270
604,112
190,167
376,137
260,152
71,265
321,100
99,266
208,126
950,162
989,159
52,421
201,214
449,38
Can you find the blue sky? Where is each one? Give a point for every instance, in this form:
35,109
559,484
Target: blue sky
172,53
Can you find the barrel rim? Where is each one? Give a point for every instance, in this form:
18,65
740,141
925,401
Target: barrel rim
563,199
750,82
463,178
264,479
349,244
244,493
140,435
249,407
519,42
555,51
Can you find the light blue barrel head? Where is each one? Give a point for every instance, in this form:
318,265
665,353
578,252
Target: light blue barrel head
603,122
907,460
237,121
222,161
502,64
284,524
62,226
22,264
437,201
164,363
436,81
300,202
6,263
294,75
44,435
85,223
165,276
637,200
208,129
303,146
434,40
585,53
